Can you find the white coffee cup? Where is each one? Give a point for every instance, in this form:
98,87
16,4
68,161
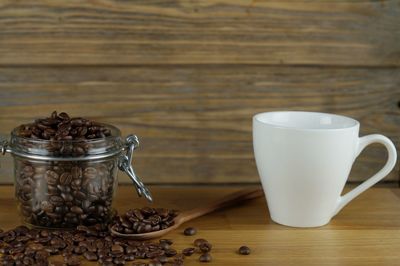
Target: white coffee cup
304,160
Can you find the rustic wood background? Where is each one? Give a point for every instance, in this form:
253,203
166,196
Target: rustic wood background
187,76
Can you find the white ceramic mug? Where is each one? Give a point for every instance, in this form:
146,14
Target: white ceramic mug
304,160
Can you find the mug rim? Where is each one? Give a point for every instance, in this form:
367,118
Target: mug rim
351,122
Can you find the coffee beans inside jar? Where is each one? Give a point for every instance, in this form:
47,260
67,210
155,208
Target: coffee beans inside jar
65,194
65,191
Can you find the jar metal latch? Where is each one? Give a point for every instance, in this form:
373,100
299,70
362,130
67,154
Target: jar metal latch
4,147
125,164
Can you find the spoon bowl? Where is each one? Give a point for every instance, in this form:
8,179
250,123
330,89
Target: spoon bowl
227,201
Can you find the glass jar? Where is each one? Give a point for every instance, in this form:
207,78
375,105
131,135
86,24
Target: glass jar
64,183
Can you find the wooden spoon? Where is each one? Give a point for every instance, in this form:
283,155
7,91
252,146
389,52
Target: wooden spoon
230,200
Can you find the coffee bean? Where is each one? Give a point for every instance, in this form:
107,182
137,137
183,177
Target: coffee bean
206,257
90,256
168,241
67,197
41,255
244,250
119,261
199,241
170,252
79,195
51,177
57,200
188,251
90,173
117,249
47,206
65,178
76,210
63,116
164,245
205,247
76,172
129,257
125,222
190,231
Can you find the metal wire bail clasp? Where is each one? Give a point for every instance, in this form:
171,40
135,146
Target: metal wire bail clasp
4,147
125,164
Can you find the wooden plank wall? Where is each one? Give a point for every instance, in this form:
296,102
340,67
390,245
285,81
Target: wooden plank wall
187,76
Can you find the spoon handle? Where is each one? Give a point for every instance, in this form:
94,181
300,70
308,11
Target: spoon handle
227,201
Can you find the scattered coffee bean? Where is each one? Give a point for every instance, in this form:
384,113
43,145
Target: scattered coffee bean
190,231
188,251
168,241
170,252
205,247
164,245
244,250
199,241
206,257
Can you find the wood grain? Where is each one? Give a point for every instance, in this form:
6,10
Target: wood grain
194,122
366,232
361,33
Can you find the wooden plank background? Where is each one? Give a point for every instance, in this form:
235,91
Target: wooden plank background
200,32
187,76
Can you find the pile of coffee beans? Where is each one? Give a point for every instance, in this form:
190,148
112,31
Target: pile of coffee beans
145,220
65,136
190,231
23,246
62,127
65,194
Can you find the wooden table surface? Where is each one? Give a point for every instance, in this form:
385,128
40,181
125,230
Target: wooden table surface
366,232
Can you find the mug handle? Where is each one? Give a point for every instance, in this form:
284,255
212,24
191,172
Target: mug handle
391,162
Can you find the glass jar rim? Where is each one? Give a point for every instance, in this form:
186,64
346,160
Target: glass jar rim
63,150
